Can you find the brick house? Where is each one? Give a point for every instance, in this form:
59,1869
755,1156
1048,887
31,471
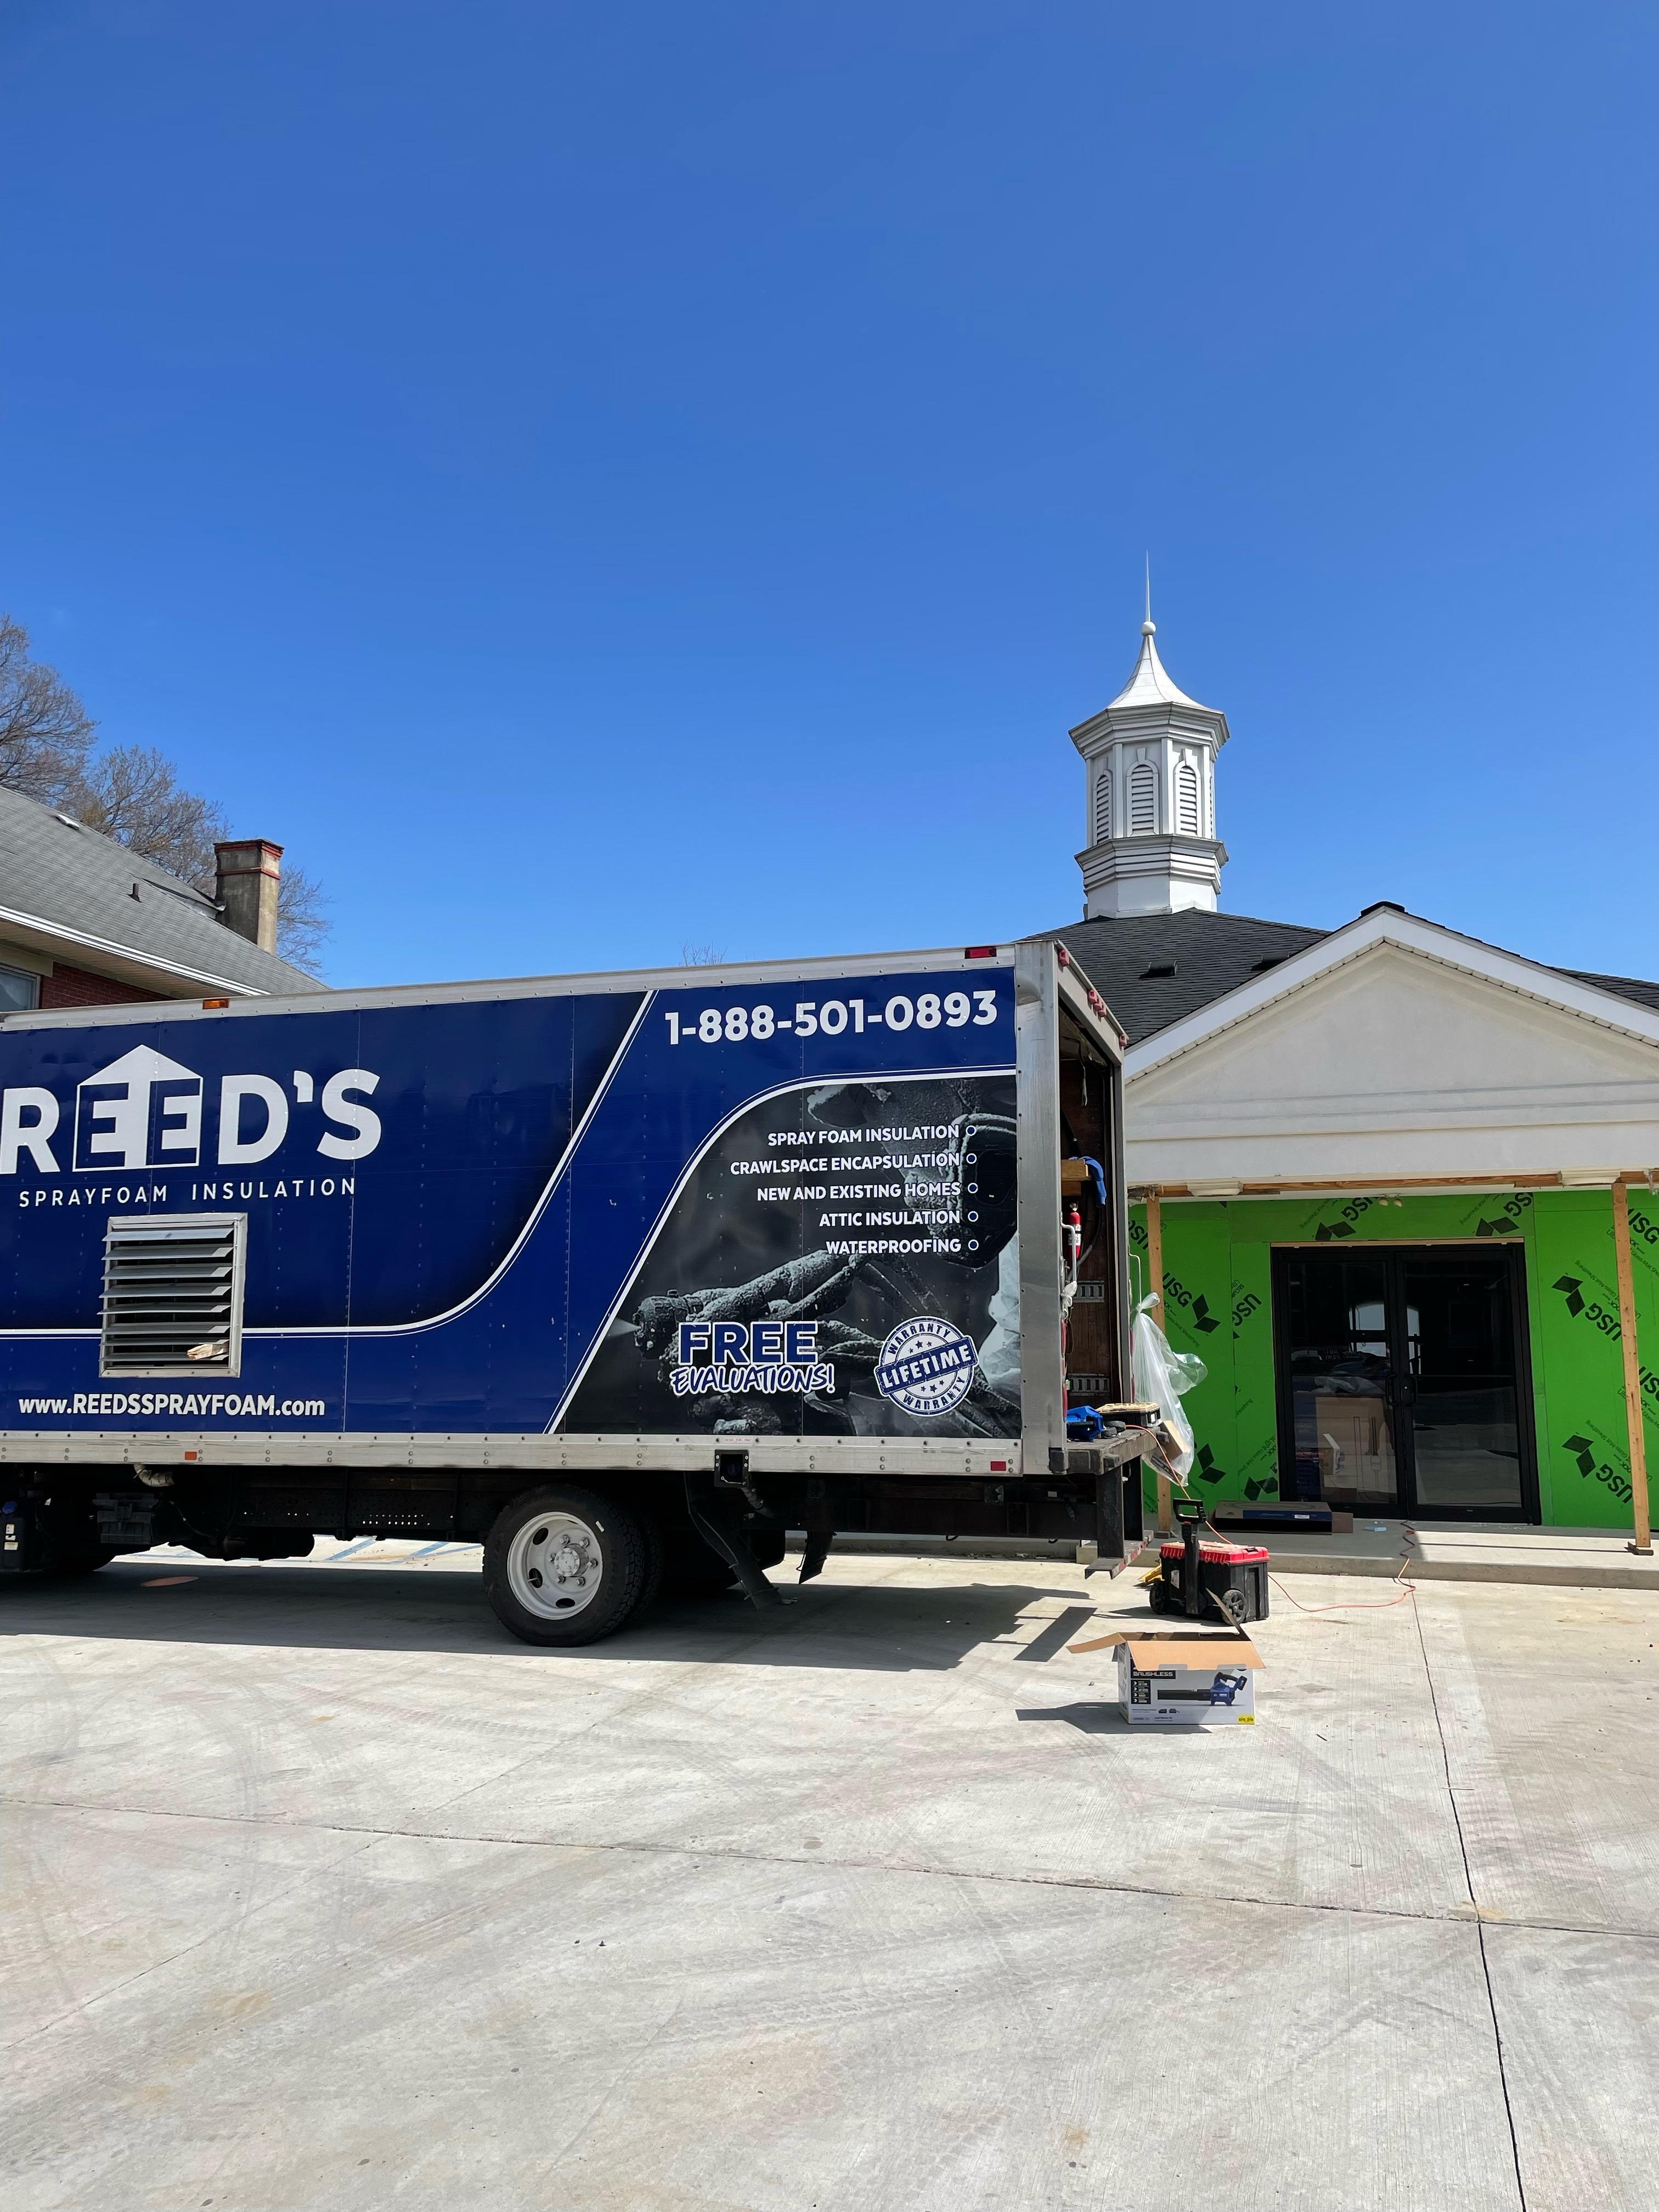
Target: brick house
83,922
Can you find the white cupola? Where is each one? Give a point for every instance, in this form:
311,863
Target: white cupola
1149,765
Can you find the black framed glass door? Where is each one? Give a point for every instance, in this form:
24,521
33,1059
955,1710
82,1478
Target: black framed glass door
1404,1380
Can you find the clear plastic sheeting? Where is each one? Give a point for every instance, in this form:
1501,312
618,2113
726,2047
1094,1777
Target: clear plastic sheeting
999,1353
1163,1377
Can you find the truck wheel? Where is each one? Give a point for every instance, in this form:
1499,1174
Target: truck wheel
68,1565
691,1569
694,1569
566,1566
65,1548
62,1563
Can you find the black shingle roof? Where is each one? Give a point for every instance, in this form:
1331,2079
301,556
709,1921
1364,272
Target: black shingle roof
1622,987
1155,968
1201,957
70,878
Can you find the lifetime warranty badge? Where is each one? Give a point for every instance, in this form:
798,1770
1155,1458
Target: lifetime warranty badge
927,1365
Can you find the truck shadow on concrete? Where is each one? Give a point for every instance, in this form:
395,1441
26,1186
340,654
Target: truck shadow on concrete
843,1625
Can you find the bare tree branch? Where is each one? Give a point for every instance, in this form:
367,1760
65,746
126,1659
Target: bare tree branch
45,730
134,795
302,923
131,792
700,956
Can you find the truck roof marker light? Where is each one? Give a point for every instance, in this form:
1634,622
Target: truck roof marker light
211,1004
1062,956
979,952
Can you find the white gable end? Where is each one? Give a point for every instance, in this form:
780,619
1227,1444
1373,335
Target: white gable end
1395,1060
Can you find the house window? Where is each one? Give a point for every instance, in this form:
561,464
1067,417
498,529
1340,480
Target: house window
19,991
1104,808
1143,797
1189,819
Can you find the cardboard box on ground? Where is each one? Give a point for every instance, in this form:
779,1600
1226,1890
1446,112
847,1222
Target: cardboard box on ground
1207,1681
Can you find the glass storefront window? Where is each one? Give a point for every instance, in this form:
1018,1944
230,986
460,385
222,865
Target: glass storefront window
1402,1380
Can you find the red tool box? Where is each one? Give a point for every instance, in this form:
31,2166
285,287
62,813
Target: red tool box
1202,1576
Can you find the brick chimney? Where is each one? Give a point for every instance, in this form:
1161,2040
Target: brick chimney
249,871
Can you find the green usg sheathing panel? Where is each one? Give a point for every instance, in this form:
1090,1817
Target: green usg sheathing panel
1218,1303
1583,1441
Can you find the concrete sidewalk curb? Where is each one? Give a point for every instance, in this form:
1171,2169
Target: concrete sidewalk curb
1565,1574
1578,1561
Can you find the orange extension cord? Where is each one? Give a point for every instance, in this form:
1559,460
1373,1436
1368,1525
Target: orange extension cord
1353,1604
1362,1604
1343,1604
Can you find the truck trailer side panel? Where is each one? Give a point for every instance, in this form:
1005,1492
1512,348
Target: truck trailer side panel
528,1216
418,1245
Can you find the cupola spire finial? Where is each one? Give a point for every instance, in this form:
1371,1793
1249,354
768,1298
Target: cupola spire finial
1149,757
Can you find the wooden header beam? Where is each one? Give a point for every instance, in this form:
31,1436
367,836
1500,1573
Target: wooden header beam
1292,1186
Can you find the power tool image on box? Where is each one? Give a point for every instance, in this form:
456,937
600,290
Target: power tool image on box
1229,1681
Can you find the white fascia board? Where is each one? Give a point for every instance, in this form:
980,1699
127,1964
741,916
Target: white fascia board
1407,932
82,941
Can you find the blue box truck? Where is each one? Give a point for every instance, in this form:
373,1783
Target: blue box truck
623,1276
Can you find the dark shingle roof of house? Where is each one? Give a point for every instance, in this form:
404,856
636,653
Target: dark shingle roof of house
1155,968
1622,987
60,877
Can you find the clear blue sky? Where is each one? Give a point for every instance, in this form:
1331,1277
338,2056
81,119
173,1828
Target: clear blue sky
590,479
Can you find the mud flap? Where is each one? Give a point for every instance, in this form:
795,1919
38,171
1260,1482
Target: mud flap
715,1520
814,1553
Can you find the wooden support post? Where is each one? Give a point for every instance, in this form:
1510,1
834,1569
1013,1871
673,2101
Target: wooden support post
1643,1541
1155,1250
1155,1282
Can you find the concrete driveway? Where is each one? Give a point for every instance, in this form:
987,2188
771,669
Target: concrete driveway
320,1893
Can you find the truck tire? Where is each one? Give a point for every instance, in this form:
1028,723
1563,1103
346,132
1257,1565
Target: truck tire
64,1548
767,1545
66,1563
694,1569
564,1566
691,1570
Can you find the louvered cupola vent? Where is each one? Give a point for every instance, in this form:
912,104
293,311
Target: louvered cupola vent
1143,799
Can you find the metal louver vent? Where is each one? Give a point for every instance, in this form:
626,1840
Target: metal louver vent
1143,798
173,1294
